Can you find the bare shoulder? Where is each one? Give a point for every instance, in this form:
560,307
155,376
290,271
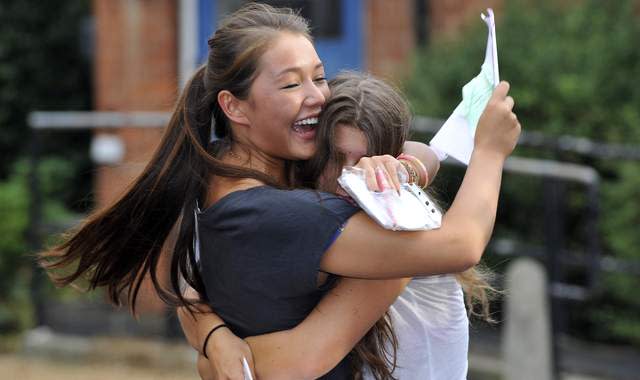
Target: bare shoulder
219,187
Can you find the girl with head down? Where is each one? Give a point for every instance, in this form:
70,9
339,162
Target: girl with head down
273,255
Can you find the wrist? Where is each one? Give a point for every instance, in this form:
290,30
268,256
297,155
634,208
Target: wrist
417,171
208,338
488,156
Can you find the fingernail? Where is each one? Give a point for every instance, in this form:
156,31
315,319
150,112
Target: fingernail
381,178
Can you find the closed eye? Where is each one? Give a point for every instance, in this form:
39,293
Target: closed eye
292,85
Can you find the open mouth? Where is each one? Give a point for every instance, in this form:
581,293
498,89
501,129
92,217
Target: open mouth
306,127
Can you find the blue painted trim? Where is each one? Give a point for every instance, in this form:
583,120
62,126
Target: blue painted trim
207,19
345,52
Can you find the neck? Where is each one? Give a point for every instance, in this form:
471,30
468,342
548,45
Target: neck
221,186
255,160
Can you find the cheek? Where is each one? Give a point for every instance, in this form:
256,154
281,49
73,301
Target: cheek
325,90
352,159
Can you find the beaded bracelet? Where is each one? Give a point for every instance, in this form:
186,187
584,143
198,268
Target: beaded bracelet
206,340
413,174
419,168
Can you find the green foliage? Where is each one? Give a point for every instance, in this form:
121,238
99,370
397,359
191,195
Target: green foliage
41,68
15,259
573,71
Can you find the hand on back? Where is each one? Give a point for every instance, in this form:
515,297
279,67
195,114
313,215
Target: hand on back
225,351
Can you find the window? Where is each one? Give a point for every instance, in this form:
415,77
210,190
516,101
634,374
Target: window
336,25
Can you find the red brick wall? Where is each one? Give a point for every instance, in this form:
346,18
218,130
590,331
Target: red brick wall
136,62
447,17
135,70
390,37
390,29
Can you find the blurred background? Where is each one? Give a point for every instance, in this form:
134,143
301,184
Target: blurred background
110,70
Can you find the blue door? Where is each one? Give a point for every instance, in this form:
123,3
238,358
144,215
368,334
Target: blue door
337,27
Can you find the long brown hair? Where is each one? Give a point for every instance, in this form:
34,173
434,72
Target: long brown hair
381,112
117,247
366,103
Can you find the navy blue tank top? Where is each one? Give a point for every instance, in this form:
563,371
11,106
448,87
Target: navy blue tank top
260,252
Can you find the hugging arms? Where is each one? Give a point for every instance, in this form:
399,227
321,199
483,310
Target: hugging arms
261,91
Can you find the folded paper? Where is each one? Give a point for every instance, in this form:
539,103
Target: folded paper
455,137
411,210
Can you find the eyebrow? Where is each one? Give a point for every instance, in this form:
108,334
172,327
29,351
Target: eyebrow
297,69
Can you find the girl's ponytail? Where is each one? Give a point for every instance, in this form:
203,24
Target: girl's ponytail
117,247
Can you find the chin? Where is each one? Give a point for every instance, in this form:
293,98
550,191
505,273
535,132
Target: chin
303,153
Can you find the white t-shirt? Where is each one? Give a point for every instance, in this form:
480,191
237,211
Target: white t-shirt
430,322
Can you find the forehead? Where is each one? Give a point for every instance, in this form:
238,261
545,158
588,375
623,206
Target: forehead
288,51
350,139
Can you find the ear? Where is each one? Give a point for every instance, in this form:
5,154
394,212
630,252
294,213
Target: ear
232,107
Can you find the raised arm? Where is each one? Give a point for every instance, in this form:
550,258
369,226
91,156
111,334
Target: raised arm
366,250
363,249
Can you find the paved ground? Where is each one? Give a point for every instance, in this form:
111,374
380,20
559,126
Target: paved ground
578,360
15,367
43,355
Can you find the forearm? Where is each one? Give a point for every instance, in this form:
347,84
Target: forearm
328,334
364,249
196,326
475,205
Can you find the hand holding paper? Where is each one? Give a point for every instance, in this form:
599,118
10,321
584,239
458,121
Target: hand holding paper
455,138
498,129
409,210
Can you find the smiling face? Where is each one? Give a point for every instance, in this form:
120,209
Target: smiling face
364,116
285,99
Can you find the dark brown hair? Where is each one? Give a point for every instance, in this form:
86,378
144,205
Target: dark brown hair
368,104
119,246
378,110
383,115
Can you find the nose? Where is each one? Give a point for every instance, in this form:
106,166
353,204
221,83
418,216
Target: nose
314,96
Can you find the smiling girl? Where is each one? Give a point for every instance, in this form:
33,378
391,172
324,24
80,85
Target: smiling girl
264,247
426,333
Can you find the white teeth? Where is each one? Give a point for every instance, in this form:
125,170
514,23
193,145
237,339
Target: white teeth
309,121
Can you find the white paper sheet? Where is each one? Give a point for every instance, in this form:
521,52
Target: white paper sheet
455,137
246,370
411,210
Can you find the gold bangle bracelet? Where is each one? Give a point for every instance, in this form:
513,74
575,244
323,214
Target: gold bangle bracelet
413,174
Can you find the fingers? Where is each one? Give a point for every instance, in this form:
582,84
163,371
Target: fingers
394,168
501,90
510,103
204,369
382,172
369,166
382,178
370,176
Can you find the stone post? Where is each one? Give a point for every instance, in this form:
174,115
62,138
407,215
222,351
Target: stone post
527,345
